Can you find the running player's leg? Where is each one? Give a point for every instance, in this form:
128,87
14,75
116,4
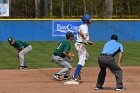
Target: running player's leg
82,58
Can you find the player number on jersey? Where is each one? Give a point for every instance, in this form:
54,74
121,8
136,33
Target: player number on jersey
59,46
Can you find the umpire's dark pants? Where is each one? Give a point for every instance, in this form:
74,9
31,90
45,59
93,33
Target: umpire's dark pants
109,61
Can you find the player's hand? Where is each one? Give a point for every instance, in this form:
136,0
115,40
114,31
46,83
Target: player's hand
90,43
71,56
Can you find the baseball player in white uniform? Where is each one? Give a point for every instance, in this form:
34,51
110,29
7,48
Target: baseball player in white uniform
80,45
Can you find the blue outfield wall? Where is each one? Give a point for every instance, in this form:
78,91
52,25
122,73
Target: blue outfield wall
127,30
48,30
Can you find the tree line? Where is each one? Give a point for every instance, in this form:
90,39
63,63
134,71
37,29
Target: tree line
74,8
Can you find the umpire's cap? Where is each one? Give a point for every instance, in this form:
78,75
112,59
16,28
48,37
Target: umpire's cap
69,34
114,37
10,39
86,18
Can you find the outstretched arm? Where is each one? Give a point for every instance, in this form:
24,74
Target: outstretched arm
90,42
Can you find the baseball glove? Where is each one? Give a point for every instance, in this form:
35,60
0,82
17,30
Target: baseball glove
71,56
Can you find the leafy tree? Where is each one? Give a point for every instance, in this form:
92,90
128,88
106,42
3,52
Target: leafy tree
74,8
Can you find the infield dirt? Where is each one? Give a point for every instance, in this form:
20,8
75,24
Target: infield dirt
41,81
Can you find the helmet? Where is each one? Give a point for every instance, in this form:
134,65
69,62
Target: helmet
69,34
85,18
10,39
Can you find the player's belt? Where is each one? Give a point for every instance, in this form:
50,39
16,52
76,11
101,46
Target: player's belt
55,54
82,43
58,55
105,54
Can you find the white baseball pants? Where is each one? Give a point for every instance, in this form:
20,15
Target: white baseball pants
23,53
82,53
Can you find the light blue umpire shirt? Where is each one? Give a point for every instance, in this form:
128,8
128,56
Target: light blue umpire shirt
112,47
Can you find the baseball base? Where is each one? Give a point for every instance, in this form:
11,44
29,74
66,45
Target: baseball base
72,82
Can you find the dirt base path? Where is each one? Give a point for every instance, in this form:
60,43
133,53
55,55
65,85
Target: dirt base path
41,81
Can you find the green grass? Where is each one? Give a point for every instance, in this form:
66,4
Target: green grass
40,56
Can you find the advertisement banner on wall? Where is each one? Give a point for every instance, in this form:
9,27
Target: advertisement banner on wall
60,28
4,8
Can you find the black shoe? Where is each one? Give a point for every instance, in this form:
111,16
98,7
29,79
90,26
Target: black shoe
120,89
23,67
66,77
57,77
98,88
75,79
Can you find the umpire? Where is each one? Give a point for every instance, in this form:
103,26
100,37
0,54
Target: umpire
106,59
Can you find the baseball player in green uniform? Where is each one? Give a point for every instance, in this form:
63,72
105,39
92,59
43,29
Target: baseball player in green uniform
61,57
23,49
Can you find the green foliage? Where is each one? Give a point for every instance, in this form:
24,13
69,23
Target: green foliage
121,8
40,56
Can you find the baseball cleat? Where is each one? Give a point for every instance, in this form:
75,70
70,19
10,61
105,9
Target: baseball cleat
23,67
66,78
72,82
57,77
120,89
76,79
98,88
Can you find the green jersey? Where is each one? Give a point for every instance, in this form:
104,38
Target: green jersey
20,44
64,46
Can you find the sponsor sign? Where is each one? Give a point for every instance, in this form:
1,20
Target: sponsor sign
60,28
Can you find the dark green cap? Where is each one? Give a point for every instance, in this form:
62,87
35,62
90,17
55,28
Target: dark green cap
69,34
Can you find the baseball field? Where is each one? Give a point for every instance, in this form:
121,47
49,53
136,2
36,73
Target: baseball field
38,78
